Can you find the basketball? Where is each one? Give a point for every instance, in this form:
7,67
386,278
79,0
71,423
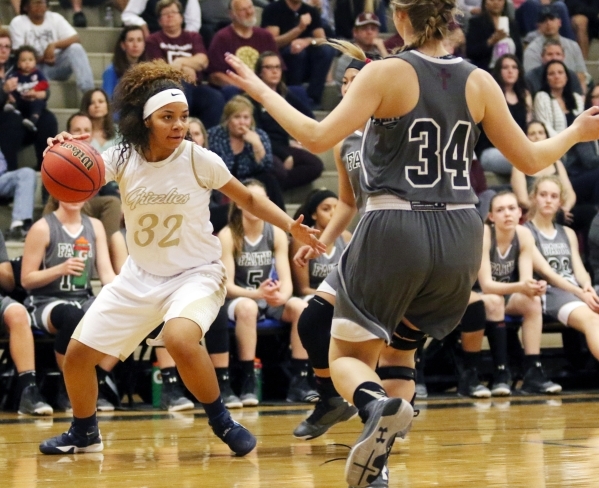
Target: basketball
72,171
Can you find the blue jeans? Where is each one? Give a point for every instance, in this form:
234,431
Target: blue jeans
72,60
311,65
20,186
492,160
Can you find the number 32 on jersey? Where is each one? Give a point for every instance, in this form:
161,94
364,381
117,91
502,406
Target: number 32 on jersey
454,158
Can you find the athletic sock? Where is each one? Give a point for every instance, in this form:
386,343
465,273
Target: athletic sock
497,335
215,410
471,359
169,375
298,366
84,425
367,392
325,387
531,360
26,378
247,368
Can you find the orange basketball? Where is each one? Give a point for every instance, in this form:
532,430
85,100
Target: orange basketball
72,171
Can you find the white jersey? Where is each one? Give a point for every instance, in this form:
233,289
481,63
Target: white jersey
166,207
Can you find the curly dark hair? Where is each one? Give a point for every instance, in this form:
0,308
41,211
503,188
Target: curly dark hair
135,88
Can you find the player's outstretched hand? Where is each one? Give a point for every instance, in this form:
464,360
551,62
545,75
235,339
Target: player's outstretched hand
307,235
63,136
587,125
243,77
303,255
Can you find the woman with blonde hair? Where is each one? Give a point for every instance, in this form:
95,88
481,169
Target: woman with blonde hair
246,151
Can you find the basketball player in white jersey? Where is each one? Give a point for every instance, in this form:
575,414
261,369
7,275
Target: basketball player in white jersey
173,273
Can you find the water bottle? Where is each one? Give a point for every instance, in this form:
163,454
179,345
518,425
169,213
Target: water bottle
81,250
109,17
258,377
156,385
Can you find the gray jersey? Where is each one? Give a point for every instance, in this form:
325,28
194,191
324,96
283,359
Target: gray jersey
321,266
59,250
425,156
556,250
504,268
351,155
254,264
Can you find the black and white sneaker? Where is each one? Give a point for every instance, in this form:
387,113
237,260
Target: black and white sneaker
386,418
249,394
300,390
72,442
382,480
102,404
502,380
470,385
33,403
173,399
325,415
230,399
536,382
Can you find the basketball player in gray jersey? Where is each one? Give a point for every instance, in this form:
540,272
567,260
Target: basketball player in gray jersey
506,278
420,237
571,298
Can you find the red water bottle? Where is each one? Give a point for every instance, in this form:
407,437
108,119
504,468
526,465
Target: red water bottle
81,250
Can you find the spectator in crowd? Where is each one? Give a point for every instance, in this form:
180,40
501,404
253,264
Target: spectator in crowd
96,106
79,18
57,280
13,135
528,13
129,50
31,92
14,321
198,132
366,36
492,34
585,21
506,277
293,165
185,51
557,105
326,15
509,75
571,298
144,13
245,150
346,12
215,16
549,24
552,49
56,42
297,27
251,251
241,38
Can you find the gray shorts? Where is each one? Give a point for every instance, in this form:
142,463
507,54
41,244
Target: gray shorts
558,304
331,283
414,264
264,310
40,307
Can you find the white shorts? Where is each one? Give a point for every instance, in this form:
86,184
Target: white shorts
346,330
136,302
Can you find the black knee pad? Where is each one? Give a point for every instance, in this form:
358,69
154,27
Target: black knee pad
314,329
217,338
396,373
405,338
65,318
474,318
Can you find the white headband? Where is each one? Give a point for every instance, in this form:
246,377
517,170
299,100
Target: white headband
161,99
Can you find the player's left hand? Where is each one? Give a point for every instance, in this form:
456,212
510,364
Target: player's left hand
243,77
64,136
307,235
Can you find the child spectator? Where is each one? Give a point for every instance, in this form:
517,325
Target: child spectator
32,88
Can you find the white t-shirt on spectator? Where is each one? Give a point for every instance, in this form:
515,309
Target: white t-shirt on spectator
54,28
